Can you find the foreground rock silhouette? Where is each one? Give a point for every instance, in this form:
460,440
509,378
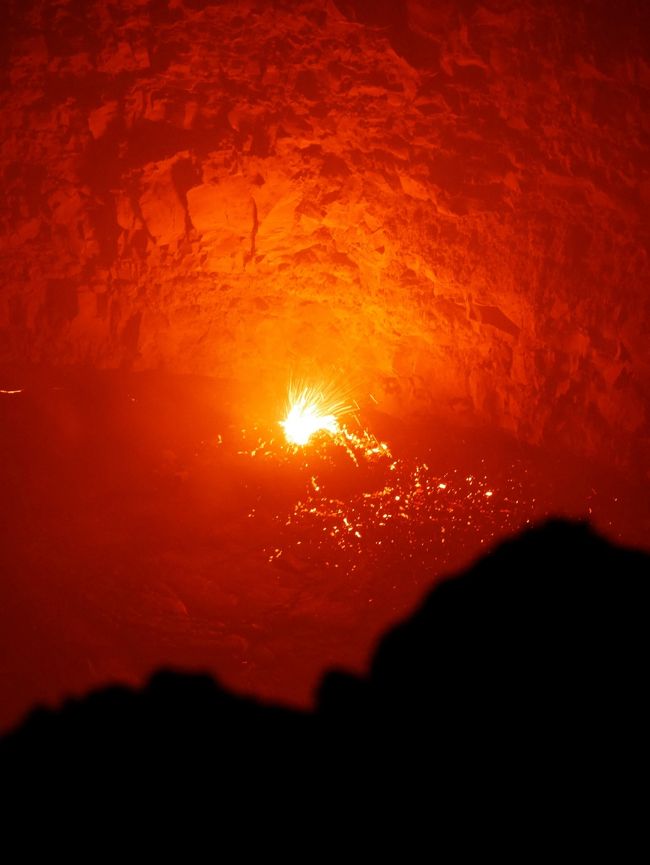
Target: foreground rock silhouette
528,669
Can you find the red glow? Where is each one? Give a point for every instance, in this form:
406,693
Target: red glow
441,205
147,529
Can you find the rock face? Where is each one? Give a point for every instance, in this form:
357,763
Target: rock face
444,203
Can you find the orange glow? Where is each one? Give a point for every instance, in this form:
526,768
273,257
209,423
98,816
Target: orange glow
311,410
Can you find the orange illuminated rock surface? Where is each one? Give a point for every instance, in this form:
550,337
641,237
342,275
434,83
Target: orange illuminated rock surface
448,201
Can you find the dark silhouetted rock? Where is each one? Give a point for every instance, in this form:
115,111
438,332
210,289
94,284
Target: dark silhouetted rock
526,673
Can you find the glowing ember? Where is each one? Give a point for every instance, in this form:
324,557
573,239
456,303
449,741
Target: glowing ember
347,505
311,410
353,507
380,514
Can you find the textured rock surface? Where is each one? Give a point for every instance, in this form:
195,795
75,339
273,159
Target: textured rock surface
445,202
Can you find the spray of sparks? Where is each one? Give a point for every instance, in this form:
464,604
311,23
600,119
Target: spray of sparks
351,504
354,506
312,410
330,495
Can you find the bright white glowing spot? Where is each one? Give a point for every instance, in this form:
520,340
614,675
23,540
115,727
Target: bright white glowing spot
489,493
19,390
304,420
311,410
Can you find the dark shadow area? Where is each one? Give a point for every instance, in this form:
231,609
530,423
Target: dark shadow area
529,669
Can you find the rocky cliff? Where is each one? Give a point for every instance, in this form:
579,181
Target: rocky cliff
444,203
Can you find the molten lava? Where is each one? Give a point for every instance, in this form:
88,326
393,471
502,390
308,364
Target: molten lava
311,410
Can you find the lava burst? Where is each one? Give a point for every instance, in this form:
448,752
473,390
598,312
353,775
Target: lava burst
311,410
